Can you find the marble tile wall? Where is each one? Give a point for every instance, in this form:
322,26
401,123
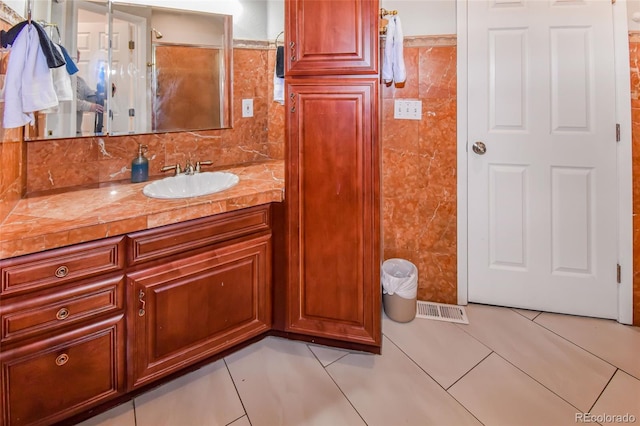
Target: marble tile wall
419,168
62,163
634,57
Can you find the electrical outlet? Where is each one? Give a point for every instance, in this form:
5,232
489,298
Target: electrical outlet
407,109
247,107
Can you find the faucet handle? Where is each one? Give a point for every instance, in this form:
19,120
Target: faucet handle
177,168
202,163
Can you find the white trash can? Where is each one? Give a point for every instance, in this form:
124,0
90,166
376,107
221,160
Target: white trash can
400,289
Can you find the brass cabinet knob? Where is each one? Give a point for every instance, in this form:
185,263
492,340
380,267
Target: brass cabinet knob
62,360
62,271
62,314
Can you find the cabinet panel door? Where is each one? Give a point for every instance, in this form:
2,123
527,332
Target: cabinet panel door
333,200
331,37
191,308
49,381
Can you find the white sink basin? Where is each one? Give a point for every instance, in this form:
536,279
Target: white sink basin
187,186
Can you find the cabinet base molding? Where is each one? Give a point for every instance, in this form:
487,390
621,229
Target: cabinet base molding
340,344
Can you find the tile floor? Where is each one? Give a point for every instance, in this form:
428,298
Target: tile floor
507,367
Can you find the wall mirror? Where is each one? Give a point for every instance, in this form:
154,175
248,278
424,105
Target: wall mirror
142,69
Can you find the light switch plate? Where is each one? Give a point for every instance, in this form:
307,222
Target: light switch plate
407,109
247,107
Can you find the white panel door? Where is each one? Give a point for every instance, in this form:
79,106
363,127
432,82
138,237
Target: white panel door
123,78
542,197
92,44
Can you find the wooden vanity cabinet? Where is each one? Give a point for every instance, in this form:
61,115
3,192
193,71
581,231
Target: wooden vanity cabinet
61,316
88,323
333,171
193,304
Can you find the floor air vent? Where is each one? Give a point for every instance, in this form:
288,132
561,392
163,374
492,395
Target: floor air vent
442,312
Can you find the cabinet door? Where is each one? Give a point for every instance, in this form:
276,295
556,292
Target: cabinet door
331,37
333,190
191,308
64,375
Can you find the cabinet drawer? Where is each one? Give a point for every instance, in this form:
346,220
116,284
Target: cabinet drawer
173,239
23,317
59,266
46,382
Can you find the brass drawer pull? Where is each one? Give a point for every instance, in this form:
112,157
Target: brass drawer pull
63,313
292,46
62,271
62,360
142,303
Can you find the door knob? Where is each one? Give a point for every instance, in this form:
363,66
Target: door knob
479,148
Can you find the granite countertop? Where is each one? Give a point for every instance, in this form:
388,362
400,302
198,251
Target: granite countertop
49,221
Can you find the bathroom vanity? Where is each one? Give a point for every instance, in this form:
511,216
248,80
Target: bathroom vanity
92,321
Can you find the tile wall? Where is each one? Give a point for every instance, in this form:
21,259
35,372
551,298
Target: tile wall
419,168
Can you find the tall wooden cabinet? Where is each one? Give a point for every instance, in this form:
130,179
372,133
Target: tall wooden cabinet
333,170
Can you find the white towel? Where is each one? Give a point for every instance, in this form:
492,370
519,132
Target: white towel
62,81
28,82
62,85
393,68
13,115
278,88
